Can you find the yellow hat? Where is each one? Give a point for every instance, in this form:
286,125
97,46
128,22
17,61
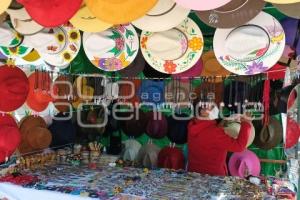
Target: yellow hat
119,11
87,22
4,5
283,1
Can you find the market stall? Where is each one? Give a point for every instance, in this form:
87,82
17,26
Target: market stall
154,99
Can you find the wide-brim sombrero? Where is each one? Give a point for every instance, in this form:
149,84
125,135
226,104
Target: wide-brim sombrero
202,4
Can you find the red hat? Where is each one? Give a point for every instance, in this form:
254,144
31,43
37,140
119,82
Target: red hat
292,133
171,157
39,91
51,13
10,136
14,86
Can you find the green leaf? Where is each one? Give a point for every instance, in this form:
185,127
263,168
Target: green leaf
5,50
115,35
129,33
22,50
128,50
15,41
115,51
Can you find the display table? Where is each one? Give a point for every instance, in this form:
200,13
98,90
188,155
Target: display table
133,183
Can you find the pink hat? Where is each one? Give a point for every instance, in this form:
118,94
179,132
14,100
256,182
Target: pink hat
192,72
244,164
202,4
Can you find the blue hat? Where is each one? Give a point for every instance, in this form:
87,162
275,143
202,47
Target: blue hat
152,92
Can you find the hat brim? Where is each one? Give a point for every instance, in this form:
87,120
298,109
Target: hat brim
172,15
291,10
201,4
53,16
282,1
7,120
4,4
194,46
120,12
239,15
253,63
85,21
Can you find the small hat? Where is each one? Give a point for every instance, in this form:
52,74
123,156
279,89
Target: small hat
132,148
14,88
232,128
63,131
157,128
136,126
119,12
51,13
22,22
244,164
113,49
170,51
177,130
166,14
39,95
201,4
152,91
85,21
10,136
268,136
35,135
263,40
147,156
171,158
56,46
232,14
211,67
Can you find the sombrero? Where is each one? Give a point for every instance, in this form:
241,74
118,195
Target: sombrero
113,49
135,68
195,71
171,158
147,156
244,164
268,136
166,14
57,46
232,14
4,4
51,13
14,88
136,126
157,128
39,96
201,4
22,22
35,135
263,42
132,148
211,67
291,10
85,21
170,51
10,136
119,12
232,128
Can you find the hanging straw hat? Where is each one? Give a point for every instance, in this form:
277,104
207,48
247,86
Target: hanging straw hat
51,13
35,135
165,15
232,14
85,21
244,164
264,42
14,88
169,51
148,155
119,12
201,4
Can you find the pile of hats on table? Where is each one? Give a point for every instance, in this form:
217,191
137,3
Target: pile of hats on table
171,41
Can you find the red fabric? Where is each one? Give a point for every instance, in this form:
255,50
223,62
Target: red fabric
292,133
266,101
171,158
208,146
276,72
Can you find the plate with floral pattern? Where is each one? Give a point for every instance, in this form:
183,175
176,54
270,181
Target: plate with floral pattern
252,48
113,49
173,51
57,46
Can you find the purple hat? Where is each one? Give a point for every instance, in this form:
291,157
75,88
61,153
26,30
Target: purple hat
244,164
157,128
290,26
192,72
